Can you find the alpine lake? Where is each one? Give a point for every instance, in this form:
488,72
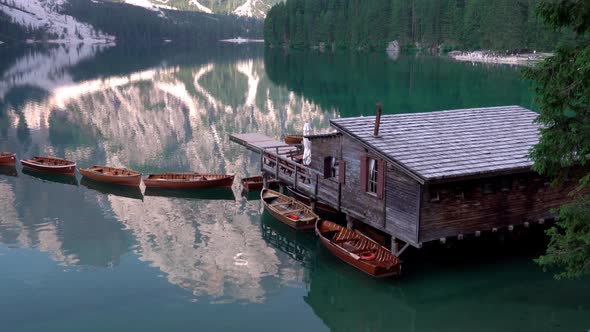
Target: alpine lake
80,256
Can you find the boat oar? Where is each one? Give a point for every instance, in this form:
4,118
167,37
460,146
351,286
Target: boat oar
353,255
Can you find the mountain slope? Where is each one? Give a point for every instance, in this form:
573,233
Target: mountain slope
249,8
140,22
47,16
145,25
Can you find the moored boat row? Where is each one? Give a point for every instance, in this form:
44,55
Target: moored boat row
122,176
351,246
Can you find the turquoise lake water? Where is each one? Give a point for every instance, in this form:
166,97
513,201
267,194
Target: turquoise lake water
77,256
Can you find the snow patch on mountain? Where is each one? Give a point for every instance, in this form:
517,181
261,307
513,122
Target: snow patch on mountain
201,7
252,8
142,3
46,14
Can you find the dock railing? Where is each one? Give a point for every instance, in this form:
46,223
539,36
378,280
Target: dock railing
279,161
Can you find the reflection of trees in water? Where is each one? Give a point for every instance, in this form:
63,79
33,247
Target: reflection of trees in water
516,297
353,82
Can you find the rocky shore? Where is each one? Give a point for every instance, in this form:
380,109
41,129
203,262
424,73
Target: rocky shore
514,58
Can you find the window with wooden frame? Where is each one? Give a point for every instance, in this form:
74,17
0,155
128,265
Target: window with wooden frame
506,184
523,183
488,188
373,176
330,167
434,195
459,192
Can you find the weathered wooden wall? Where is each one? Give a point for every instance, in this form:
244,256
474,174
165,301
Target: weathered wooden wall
324,147
360,205
403,195
397,213
328,189
465,207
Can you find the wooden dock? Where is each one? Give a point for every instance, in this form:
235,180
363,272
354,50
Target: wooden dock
259,142
281,161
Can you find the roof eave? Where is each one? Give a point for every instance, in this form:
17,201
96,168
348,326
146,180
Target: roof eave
396,163
479,175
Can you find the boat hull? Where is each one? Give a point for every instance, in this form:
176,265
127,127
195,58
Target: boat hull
130,180
300,225
256,183
69,169
7,159
377,270
225,182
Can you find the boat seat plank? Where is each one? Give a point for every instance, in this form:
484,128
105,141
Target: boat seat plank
346,240
291,211
279,203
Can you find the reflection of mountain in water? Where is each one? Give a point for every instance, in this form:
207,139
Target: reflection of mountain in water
167,116
38,213
170,117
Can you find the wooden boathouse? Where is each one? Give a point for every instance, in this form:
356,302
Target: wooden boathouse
424,176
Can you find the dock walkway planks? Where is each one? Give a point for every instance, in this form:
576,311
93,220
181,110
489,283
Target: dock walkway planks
257,142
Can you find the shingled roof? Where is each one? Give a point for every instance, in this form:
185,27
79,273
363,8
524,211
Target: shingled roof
451,144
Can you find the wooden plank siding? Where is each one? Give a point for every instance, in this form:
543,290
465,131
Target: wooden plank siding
360,205
480,205
397,210
403,196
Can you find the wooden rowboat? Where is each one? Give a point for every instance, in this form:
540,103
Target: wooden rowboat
255,183
188,181
293,139
324,210
112,175
7,159
50,165
288,210
358,250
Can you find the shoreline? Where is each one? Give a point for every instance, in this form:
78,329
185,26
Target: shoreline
520,59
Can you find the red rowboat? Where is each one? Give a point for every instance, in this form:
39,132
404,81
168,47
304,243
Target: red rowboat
188,181
7,159
112,175
50,165
358,250
255,183
288,210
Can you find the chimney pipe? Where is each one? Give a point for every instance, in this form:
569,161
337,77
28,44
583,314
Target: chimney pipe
377,120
